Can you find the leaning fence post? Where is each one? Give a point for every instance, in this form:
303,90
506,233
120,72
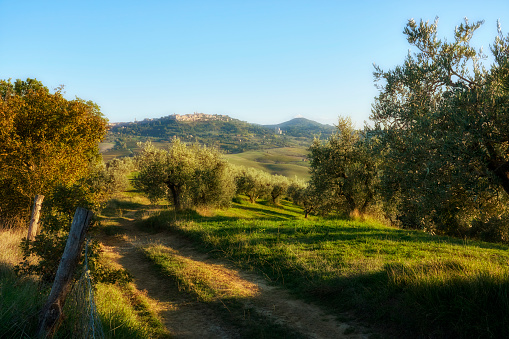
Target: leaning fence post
34,221
52,312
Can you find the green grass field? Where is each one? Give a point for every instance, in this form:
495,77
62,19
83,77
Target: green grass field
404,282
287,161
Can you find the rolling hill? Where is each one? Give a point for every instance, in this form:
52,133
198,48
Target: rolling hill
302,127
280,148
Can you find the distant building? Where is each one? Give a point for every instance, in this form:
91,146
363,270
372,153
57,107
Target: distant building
178,117
199,117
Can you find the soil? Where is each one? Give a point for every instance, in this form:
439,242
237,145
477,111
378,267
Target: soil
186,317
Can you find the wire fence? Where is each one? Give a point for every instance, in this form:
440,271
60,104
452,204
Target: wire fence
87,321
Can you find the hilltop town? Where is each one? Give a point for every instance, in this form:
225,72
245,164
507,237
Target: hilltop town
180,117
199,117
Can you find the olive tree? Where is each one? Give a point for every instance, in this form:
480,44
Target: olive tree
442,123
254,183
186,175
304,195
343,170
279,184
214,180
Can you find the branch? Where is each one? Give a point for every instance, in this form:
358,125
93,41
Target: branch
470,82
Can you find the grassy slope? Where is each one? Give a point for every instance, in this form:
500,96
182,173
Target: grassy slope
407,282
288,161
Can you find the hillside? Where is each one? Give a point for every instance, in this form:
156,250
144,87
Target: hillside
287,161
228,134
278,149
302,127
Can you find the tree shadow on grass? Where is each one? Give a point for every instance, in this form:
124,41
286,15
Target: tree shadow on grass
459,306
265,214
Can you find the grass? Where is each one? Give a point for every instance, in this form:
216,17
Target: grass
288,161
209,283
124,312
215,286
405,282
20,299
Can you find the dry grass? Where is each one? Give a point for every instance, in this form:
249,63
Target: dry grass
10,252
125,313
19,298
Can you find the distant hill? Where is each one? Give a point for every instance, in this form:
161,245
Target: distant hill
302,127
277,149
229,134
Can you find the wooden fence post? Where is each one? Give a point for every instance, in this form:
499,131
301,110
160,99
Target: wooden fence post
52,312
34,221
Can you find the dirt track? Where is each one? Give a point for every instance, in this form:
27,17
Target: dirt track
185,317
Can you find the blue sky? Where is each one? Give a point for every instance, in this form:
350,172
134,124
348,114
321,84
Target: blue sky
258,61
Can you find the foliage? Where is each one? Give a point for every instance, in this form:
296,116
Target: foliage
45,141
302,194
222,132
58,210
227,134
256,184
442,124
112,177
279,185
49,146
213,182
344,172
186,175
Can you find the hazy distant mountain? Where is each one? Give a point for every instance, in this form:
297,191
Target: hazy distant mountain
302,127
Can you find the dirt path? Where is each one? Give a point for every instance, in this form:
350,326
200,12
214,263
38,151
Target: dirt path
185,317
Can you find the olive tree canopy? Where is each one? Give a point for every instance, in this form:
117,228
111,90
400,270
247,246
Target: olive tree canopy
442,123
187,176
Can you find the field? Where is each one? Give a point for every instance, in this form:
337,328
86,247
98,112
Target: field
224,271
288,161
